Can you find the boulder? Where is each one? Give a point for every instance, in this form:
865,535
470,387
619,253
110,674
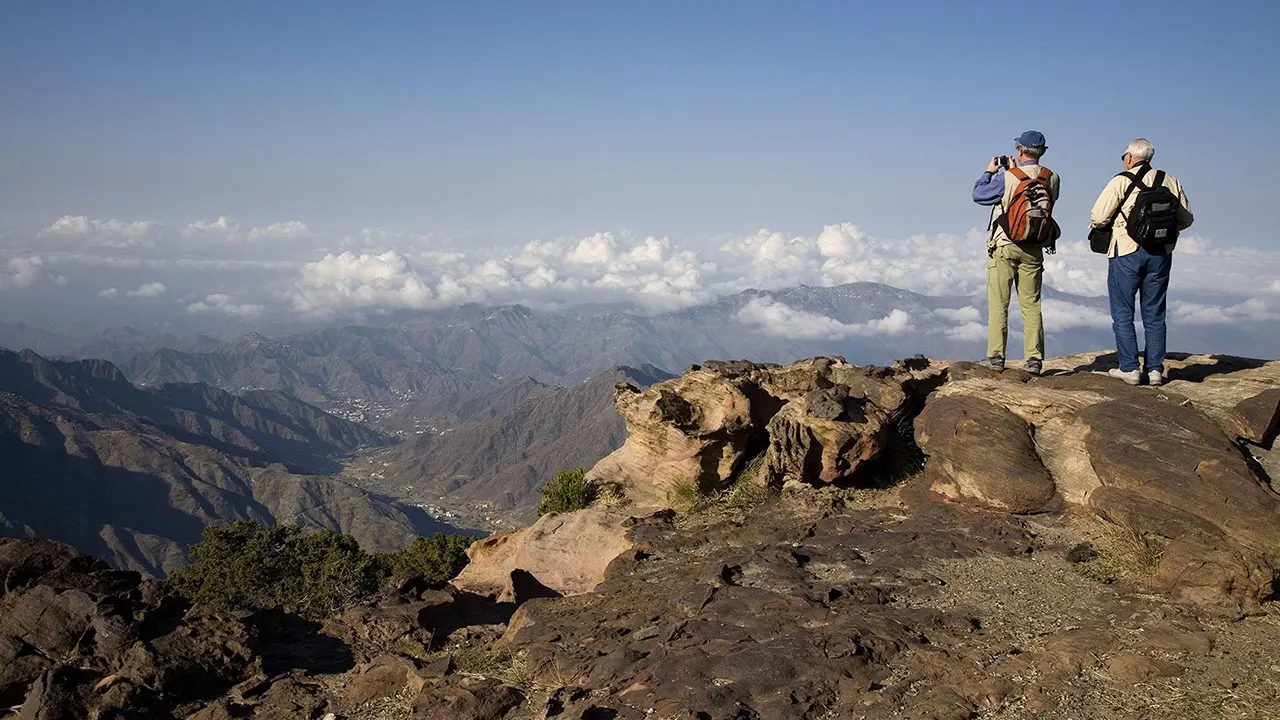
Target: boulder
396,626
59,606
825,436
295,696
53,623
19,667
983,453
61,693
1174,454
565,553
27,561
200,658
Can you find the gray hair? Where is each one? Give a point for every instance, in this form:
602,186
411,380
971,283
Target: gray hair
1141,150
1035,153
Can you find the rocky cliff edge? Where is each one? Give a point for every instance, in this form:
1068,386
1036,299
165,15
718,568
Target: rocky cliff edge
927,540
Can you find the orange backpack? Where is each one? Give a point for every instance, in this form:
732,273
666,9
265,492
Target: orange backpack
1029,219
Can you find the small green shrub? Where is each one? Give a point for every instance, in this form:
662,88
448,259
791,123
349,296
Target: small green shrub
437,558
570,490
251,566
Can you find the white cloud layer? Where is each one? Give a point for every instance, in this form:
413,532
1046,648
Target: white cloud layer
967,321
780,320
226,305
1062,315
105,233
148,290
658,274
22,272
1256,309
374,270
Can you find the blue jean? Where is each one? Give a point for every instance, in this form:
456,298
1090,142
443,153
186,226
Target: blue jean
1144,275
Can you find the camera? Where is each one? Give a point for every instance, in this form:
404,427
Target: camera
1002,161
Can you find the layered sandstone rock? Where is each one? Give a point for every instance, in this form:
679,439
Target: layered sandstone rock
1167,464
566,553
818,420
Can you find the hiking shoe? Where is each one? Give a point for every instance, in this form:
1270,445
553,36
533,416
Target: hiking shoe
995,362
1133,377
1155,378
1033,366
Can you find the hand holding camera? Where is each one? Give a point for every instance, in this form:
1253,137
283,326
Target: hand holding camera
1000,162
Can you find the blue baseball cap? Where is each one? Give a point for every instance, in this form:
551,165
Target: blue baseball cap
1031,139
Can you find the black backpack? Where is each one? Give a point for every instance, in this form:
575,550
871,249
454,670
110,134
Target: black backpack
1153,221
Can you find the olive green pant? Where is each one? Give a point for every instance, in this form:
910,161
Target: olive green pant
1014,267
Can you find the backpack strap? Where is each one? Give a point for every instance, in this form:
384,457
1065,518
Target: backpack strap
1019,173
1135,181
1159,181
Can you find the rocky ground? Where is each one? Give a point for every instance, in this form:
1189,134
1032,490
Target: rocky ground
1071,567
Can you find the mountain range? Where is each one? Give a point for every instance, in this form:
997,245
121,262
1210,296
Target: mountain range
416,368
134,475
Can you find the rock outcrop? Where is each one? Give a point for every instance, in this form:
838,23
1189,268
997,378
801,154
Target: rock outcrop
1167,464
1182,467
818,420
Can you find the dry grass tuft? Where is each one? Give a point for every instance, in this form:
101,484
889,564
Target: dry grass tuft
749,489
1123,555
685,498
499,664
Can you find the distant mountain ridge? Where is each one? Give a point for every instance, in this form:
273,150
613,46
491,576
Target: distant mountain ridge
134,475
430,358
264,426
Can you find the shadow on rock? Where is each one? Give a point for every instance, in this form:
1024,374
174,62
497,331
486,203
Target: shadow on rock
1196,372
286,642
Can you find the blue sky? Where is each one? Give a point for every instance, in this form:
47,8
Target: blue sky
520,120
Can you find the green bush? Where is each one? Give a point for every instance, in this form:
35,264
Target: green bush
570,490
252,566
437,558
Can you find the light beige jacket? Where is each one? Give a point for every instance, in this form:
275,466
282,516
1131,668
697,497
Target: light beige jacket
1109,201
998,236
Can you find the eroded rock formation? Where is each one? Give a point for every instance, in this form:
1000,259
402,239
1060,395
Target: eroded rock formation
1170,464
817,420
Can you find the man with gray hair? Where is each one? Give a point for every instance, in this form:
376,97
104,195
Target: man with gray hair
1144,209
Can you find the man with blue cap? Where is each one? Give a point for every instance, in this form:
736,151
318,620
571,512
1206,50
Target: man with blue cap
1021,194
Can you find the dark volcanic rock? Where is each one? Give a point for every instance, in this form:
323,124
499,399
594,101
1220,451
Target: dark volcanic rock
198,659
781,615
469,700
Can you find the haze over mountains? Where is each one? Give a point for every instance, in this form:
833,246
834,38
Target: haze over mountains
134,475
464,412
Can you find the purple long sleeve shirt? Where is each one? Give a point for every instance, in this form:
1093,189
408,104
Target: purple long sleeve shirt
990,187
